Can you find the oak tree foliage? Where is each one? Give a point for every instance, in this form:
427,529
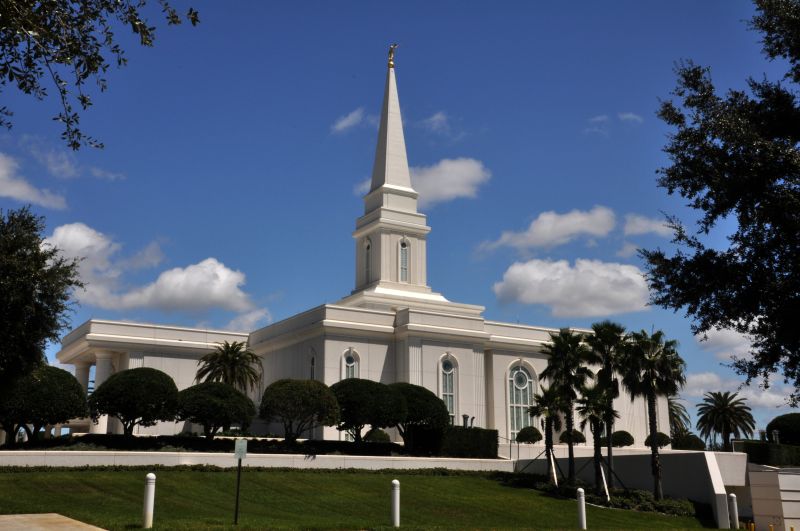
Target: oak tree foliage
36,282
214,405
61,46
735,157
300,405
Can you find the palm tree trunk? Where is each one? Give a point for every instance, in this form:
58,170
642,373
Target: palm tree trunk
548,445
597,432
655,461
609,451
570,443
726,438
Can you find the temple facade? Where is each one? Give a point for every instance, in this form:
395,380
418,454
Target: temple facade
391,328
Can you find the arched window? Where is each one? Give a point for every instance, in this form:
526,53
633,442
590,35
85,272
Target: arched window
350,364
448,388
313,366
403,261
520,398
367,260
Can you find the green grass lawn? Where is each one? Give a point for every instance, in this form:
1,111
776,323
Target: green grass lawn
292,499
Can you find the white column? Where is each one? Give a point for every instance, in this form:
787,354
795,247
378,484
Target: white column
103,369
82,374
415,361
480,389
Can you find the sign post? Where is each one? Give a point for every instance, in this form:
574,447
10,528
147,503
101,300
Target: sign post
240,451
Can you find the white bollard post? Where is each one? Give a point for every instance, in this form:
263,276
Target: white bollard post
733,511
581,509
395,503
149,499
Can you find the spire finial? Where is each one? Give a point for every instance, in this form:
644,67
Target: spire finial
392,48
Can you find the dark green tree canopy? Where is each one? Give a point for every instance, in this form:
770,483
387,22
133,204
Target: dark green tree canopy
577,437
687,440
423,406
529,435
736,156
35,285
62,45
299,405
788,427
142,396
48,395
662,439
364,402
214,405
621,439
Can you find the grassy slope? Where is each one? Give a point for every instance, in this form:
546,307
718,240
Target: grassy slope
187,499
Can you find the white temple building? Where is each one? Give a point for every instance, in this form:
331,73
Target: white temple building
391,328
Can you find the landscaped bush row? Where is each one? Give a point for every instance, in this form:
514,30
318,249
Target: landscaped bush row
771,454
638,500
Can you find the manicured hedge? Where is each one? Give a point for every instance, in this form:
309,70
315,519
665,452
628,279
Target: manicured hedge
577,437
764,453
470,442
619,439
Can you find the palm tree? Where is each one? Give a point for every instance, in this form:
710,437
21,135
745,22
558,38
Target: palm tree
567,373
547,405
678,417
726,415
652,368
233,364
606,342
593,409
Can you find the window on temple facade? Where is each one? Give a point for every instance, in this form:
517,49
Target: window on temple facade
520,398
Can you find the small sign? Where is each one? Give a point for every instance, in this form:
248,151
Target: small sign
240,448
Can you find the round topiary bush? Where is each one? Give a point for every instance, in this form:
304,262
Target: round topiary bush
214,405
620,439
529,435
577,437
300,405
662,439
687,441
377,435
788,427
365,402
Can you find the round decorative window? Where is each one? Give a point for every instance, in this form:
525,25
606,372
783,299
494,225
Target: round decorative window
350,360
447,366
520,380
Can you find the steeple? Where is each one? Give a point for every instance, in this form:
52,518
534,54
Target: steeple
391,162
390,236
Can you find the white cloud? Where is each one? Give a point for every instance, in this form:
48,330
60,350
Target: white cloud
250,320
599,119
590,288
448,179
698,384
628,249
209,284
362,187
550,229
348,121
595,130
630,117
724,343
106,175
437,123
202,286
14,186
636,224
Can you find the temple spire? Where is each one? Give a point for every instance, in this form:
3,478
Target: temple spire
391,161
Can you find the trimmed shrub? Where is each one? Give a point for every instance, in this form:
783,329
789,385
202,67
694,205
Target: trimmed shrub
48,395
214,405
470,442
377,435
577,437
424,440
662,439
788,427
529,434
763,453
364,402
621,439
687,441
424,408
140,396
299,405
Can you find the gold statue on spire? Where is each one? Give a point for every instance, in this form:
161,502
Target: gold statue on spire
392,48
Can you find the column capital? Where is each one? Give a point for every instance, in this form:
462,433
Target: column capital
103,355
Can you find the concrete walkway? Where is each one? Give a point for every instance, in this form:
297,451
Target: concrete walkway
42,522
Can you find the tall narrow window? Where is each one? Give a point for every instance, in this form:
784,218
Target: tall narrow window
520,398
403,262
367,260
448,387
313,366
350,364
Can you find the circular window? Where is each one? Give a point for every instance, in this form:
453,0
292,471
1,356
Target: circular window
350,360
447,366
520,380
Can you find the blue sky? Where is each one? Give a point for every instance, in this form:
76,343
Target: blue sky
227,190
